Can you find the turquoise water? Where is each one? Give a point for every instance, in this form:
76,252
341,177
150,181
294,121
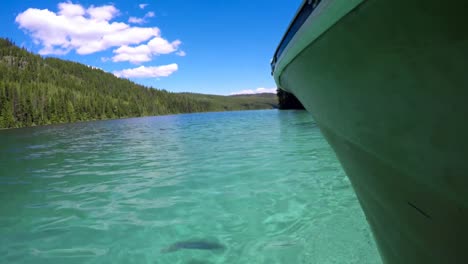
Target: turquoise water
262,185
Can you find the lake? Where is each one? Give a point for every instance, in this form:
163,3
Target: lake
262,185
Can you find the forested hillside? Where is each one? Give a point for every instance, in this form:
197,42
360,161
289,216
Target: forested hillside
238,102
39,91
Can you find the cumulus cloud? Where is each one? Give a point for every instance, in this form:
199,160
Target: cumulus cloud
161,46
148,72
85,30
142,6
137,20
256,91
70,10
144,52
102,13
181,53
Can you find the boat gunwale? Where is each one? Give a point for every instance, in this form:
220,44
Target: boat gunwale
325,14
289,34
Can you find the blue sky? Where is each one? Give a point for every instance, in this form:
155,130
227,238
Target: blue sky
206,46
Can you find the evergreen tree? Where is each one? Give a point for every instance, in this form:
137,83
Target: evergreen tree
7,118
39,91
70,112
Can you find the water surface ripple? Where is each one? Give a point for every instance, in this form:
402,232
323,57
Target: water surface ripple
263,184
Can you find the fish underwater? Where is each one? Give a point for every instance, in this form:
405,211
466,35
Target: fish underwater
194,245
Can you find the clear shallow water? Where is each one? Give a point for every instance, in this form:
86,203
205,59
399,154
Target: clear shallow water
263,184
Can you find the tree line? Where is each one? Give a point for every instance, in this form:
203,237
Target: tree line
40,91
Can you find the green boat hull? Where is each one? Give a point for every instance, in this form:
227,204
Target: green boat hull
388,86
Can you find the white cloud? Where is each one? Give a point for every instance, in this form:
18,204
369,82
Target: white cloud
142,6
181,53
148,72
102,13
86,31
256,91
137,20
161,46
137,54
70,10
144,52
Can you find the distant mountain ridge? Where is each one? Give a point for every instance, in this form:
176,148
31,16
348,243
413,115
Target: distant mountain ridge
40,91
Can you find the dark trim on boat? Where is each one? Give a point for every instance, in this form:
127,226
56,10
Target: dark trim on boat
306,9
